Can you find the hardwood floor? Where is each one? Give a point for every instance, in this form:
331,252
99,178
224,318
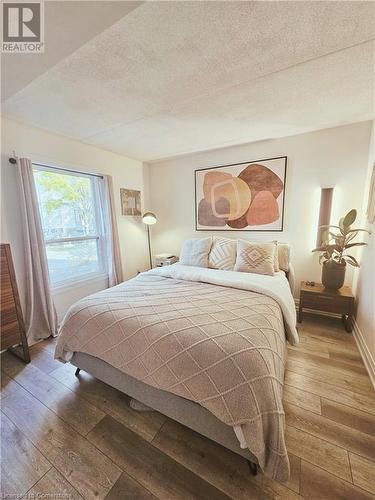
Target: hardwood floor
76,437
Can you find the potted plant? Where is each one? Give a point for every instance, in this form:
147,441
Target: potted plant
333,247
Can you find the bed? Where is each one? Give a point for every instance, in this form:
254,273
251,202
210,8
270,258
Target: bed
205,347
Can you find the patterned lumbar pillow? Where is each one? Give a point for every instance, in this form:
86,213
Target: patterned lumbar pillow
256,258
223,254
195,252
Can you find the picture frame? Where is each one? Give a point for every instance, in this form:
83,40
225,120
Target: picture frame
245,196
130,202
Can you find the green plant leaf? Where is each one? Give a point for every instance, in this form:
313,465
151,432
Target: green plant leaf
349,218
339,240
359,244
328,225
351,236
327,248
332,225
351,260
357,230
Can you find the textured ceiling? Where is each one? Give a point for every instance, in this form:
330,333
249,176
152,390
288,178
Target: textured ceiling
175,77
68,25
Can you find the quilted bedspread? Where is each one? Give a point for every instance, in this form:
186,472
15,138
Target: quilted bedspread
220,346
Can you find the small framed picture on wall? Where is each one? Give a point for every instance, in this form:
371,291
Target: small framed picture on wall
247,196
130,202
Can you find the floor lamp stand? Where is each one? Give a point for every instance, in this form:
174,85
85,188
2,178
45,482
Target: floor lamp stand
149,245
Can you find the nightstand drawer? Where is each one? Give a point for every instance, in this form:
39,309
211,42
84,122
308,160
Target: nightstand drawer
318,298
326,303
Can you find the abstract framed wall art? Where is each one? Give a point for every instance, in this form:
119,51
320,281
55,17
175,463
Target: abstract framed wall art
130,202
247,196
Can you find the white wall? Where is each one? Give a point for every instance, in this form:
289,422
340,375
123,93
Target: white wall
365,289
332,157
61,151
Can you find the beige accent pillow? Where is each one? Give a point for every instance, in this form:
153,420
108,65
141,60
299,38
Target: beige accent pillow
276,259
255,258
283,253
222,254
195,252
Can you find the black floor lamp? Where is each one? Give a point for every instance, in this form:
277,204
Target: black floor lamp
149,219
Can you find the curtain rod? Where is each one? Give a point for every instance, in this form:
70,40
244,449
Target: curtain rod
13,161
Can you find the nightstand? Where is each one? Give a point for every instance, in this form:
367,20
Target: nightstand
319,298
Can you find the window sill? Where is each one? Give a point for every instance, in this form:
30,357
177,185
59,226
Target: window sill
78,283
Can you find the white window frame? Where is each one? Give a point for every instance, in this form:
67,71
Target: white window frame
87,278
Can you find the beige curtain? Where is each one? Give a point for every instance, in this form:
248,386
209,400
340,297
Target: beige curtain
110,230
40,314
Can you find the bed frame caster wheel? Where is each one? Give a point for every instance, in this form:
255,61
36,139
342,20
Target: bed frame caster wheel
77,372
253,468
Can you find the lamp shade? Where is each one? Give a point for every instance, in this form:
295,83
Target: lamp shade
149,218
324,212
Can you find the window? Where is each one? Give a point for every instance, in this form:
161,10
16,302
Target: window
69,205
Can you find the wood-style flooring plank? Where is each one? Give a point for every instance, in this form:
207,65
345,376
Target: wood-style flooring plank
349,416
327,390
342,378
310,349
8,385
329,365
43,359
326,363
363,472
47,344
329,348
226,470
289,490
53,485
318,484
76,411
304,399
111,401
347,358
10,364
331,431
317,451
328,339
22,464
90,472
325,327
153,469
126,488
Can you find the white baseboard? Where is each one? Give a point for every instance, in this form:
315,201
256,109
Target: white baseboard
364,351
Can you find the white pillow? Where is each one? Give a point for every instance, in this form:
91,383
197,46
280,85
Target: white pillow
258,258
195,252
222,254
